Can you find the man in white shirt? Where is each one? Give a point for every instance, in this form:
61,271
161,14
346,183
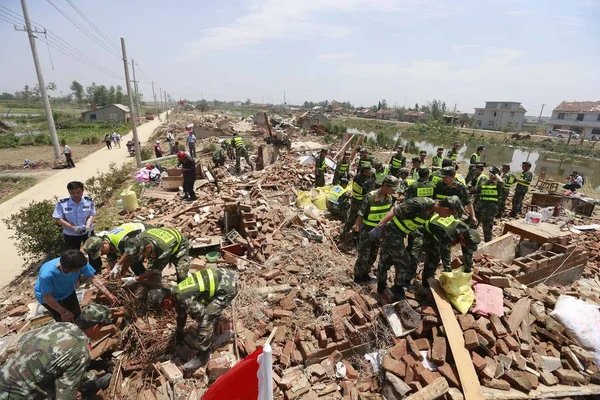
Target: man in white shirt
67,152
575,182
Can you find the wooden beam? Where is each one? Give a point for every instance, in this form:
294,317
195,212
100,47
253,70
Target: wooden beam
466,371
542,392
437,389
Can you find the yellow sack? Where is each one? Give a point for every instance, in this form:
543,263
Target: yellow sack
303,199
319,197
457,285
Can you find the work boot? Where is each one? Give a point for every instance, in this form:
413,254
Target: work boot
398,292
95,384
381,287
196,362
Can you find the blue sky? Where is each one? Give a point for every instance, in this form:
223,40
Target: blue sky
466,52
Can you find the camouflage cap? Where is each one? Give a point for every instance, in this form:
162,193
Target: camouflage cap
480,147
446,162
456,143
133,246
455,204
155,298
447,171
390,181
404,171
479,166
473,238
506,166
92,247
94,314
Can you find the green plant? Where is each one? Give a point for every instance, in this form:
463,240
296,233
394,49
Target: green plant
101,187
146,153
36,233
329,139
209,148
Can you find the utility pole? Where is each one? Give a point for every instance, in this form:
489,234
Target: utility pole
284,103
540,117
38,70
136,143
154,96
453,114
166,104
135,85
162,107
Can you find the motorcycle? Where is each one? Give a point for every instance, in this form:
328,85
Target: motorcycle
130,148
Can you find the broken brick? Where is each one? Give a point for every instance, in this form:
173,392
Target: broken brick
438,350
396,367
344,297
399,349
471,339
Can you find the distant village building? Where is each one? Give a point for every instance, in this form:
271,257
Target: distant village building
582,117
416,116
458,118
365,113
311,118
111,112
498,115
387,114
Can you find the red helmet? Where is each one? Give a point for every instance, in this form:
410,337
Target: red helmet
180,155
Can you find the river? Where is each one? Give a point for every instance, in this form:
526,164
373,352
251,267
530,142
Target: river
558,166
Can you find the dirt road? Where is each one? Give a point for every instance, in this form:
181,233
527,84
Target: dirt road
56,186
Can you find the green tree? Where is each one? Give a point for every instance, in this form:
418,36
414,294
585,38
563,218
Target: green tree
416,106
119,96
111,95
90,92
77,90
384,104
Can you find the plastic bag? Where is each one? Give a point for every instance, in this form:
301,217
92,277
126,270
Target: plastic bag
582,321
303,199
457,285
489,300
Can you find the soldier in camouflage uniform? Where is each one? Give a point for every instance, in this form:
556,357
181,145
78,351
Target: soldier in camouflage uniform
203,296
240,152
509,180
487,202
375,206
523,182
364,160
338,200
342,169
452,154
320,168
416,166
219,156
361,186
421,188
52,363
399,222
436,161
397,162
405,181
447,231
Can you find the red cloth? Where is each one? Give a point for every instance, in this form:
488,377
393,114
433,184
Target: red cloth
239,383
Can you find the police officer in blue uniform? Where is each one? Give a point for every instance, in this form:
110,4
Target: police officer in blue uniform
76,215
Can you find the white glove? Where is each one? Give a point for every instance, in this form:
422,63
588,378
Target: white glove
116,271
80,230
128,281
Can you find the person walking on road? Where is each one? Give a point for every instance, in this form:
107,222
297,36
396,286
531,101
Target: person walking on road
116,139
191,142
107,140
67,152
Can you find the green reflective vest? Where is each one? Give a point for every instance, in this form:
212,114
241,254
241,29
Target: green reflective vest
509,180
435,179
358,193
488,192
397,163
477,158
335,193
343,168
366,163
227,142
481,177
436,161
424,189
460,179
409,181
321,164
380,176
238,141
522,176
205,281
376,213
453,155
408,225
448,224
128,230
164,238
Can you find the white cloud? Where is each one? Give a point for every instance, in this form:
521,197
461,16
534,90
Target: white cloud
570,21
335,57
520,13
461,47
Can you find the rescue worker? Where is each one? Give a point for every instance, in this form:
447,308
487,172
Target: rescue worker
112,245
219,156
76,216
160,246
55,286
436,176
473,161
51,364
372,210
338,200
404,180
509,179
421,188
397,161
523,181
320,168
342,169
400,221
188,165
240,151
453,152
423,157
416,165
364,160
361,186
229,148
203,296
447,232
477,178
381,171
487,202
436,161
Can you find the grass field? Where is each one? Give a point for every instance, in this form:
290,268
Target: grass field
12,185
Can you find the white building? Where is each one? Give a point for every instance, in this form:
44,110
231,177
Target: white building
582,117
500,114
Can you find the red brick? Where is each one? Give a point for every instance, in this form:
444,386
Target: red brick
478,361
500,281
533,379
351,372
335,357
427,377
414,348
341,311
396,367
270,274
347,387
466,321
415,386
422,344
216,368
322,339
410,360
285,358
97,332
438,350
481,328
357,316
278,314
428,310
450,373
410,374
288,304
471,339
512,343
344,297
501,347
399,349
497,326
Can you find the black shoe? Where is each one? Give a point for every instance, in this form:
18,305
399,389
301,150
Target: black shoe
360,280
398,292
381,287
425,283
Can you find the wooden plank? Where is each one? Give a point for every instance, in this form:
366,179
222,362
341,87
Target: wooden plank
542,233
466,371
519,311
435,390
542,392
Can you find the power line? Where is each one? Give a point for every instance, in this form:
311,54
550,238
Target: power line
142,71
82,29
108,40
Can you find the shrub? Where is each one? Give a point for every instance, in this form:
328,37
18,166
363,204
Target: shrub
210,148
146,153
102,186
8,141
36,233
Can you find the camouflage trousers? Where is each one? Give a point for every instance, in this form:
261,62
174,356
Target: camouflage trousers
240,153
434,251
320,180
218,161
337,177
207,316
367,250
517,202
394,253
352,214
340,210
502,203
486,211
415,246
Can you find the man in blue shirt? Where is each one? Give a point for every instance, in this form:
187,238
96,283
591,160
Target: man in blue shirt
76,215
191,142
55,287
